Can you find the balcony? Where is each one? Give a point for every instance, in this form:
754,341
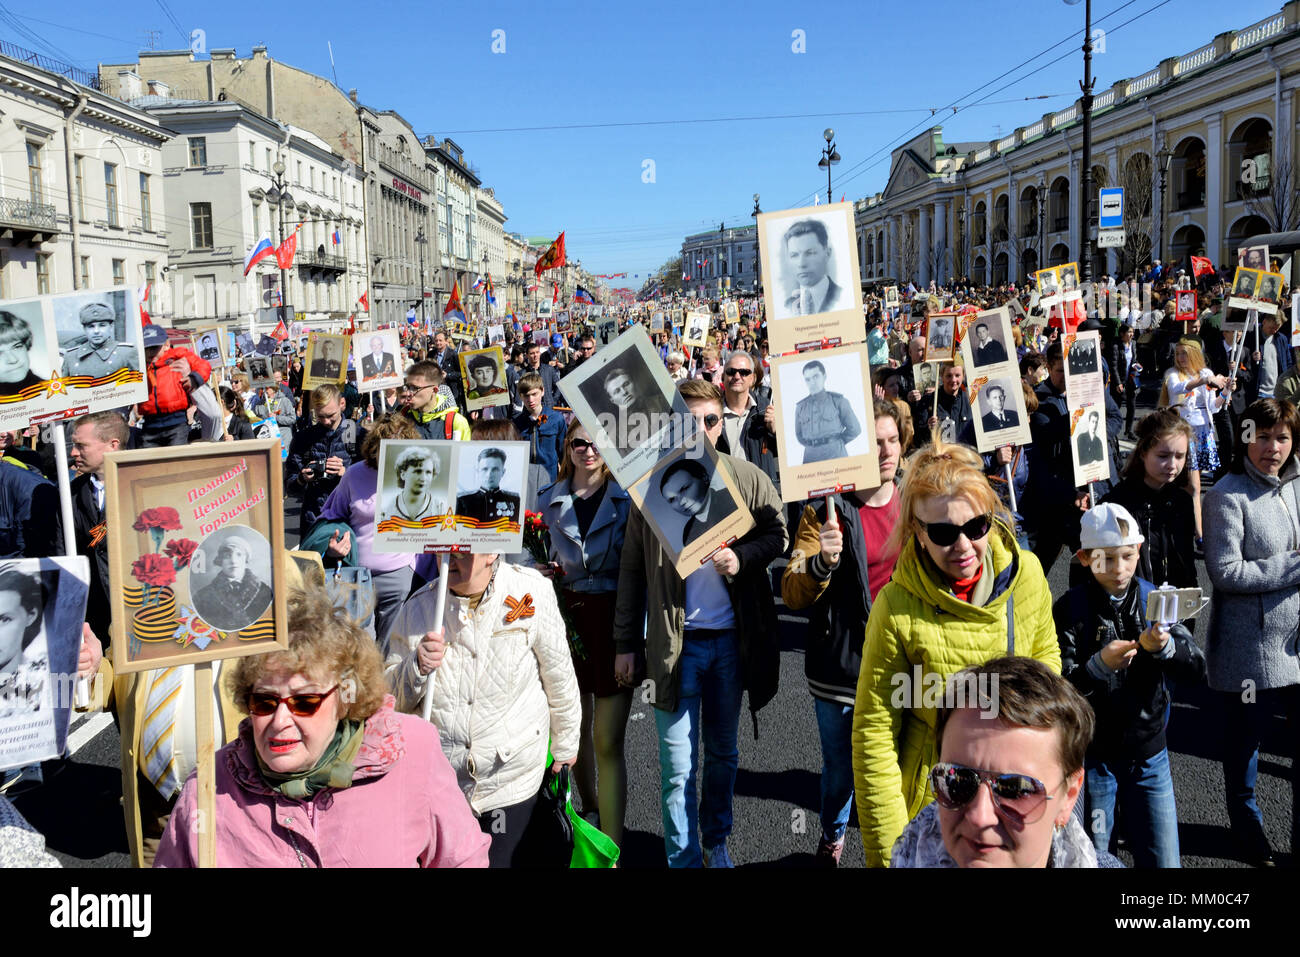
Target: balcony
25,223
320,264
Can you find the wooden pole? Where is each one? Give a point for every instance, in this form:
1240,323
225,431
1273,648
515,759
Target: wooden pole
206,777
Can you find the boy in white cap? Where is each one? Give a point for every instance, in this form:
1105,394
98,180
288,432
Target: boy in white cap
1120,662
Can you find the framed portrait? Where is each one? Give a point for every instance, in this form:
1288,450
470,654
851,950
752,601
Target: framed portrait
927,376
1268,293
1088,444
811,283
42,607
987,341
1083,370
696,332
545,311
692,504
627,401
377,359
1185,305
208,343
259,371
607,330
244,343
266,346
196,553
891,297
1255,289
326,361
940,337
1253,257
496,334
825,426
483,371
998,409
657,321
730,312
451,496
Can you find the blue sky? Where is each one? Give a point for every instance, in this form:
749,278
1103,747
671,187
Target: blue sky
880,66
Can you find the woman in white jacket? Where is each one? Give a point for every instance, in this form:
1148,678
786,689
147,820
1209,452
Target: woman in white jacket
1198,394
503,687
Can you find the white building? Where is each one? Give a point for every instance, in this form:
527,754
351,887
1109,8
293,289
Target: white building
720,261
491,223
81,184
460,258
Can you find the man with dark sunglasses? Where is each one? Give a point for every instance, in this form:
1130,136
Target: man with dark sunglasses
748,417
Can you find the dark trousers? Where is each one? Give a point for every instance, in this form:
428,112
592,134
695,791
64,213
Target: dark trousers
1127,399
1249,723
168,435
508,826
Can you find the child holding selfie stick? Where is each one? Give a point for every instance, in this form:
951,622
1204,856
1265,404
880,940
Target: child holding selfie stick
1120,662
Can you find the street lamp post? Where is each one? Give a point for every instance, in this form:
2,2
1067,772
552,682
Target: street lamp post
758,287
830,156
1042,226
1085,105
280,197
420,240
1165,157
482,296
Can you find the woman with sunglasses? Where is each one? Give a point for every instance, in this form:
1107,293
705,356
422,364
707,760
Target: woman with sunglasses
1006,783
324,772
586,512
962,592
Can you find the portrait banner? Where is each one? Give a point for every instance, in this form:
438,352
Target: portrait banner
1084,383
998,407
451,496
64,355
377,360
208,345
811,279
941,337
196,553
1088,444
483,371
42,607
731,312
825,424
326,362
1255,289
1185,305
696,332
625,398
259,371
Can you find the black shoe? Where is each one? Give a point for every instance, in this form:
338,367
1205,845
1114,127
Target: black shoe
1255,849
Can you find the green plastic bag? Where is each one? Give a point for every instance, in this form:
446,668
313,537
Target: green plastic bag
592,847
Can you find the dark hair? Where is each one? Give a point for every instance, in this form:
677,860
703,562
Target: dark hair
814,364
805,226
1032,362
1264,414
480,362
492,454
494,430
1054,353
1029,695
689,466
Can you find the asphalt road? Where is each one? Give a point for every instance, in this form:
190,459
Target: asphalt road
777,795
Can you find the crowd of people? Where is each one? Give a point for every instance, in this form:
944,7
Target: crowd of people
927,598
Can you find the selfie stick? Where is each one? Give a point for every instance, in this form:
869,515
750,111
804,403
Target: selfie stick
439,609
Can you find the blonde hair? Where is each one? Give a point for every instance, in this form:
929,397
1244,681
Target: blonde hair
323,394
1195,359
941,470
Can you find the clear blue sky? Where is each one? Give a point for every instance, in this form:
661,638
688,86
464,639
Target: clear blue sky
571,64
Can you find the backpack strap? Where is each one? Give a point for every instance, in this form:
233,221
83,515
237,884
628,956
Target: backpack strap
449,423
1011,625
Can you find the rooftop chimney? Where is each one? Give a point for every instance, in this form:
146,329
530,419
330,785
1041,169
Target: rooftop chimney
352,95
128,84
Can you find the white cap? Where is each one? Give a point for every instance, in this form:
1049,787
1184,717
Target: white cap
1101,527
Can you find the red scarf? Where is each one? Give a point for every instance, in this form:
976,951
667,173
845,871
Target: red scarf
963,587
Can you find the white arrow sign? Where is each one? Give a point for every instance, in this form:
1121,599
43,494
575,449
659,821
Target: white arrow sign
1110,237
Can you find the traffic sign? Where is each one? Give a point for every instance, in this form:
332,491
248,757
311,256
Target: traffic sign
1112,208
1110,237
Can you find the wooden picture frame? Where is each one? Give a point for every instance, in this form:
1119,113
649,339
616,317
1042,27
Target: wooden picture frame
497,391
217,340
316,368
941,337
172,515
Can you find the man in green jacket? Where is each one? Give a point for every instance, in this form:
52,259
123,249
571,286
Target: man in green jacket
711,637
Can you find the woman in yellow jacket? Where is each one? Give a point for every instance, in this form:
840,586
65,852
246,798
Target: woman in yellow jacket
962,593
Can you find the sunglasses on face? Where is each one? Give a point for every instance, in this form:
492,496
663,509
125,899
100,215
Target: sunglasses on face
944,534
263,703
739,372
1017,796
581,445
711,420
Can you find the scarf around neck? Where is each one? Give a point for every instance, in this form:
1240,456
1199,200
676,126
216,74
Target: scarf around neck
333,770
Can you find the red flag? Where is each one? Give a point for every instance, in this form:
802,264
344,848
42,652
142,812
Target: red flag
284,255
365,300
1201,266
141,295
352,324
555,297
553,257
453,301
280,333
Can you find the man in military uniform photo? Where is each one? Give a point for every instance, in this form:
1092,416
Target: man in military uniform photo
100,355
490,502
327,365
235,597
824,421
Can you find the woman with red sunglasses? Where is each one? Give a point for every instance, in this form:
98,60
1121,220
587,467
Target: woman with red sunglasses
962,592
325,773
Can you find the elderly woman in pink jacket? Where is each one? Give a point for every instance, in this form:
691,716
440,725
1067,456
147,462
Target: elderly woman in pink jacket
325,773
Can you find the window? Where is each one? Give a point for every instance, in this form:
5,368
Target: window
34,172
110,192
85,272
313,179
198,151
42,273
148,276
78,164
119,272
257,221
298,181
201,225
252,155
146,204
269,161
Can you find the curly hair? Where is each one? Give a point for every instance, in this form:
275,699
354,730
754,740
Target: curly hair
326,646
394,425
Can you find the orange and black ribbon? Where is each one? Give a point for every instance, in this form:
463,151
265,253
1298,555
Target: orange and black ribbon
519,608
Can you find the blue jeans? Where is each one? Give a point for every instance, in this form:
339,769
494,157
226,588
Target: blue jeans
1146,795
709,682
835,727
1246,724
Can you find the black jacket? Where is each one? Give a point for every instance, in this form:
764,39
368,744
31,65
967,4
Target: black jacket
90,527
758,444
315,444
954,408
1167,523
1130,704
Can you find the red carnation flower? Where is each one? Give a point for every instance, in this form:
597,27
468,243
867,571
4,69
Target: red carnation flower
162,517
155,570
181,551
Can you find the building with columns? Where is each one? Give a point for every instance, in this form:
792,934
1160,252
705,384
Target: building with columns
456,212
1224,114
720,260
491,222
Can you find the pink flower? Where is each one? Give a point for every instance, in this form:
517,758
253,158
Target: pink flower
155,570
163,517
181,551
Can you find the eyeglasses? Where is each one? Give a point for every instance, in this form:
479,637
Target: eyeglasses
739,372
416,389
944,534
711,420
263,703
1017,796
581,445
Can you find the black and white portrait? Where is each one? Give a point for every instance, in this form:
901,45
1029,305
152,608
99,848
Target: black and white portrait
891,297
490,483
926,376
1048,283
325,360
986,343
697,329
258,369
827,422
607,330
376,356
1244,283
24,663
1187,304
235,591
1082,357
686,499
1069,277
1089,443
811,255
25,359
1270,288
496,333
416,481
627,402
96,336
940,341
997,407
1253,257
208,346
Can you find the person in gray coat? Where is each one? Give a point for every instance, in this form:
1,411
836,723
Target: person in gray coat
1252,554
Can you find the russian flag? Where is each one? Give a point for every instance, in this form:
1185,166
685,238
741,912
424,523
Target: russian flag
478,284
261,251
337,241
